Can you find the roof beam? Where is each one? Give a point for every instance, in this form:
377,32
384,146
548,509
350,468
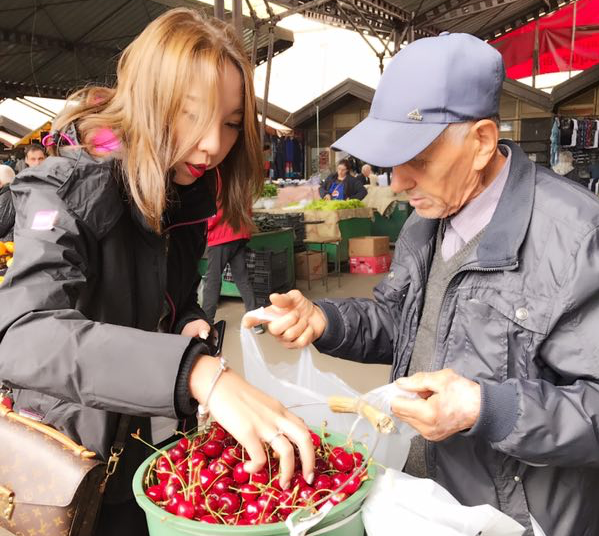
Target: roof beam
20,89
454,9
43,41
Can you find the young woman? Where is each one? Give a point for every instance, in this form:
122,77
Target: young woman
100,314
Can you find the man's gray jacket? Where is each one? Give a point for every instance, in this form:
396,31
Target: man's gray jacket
521,318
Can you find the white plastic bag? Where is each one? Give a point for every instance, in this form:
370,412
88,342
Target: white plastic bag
422,506
303,385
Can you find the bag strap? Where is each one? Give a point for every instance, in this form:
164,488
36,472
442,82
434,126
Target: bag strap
116,450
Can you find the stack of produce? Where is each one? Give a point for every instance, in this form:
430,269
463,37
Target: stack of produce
324,204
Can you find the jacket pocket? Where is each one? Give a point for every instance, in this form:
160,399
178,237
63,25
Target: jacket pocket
492,333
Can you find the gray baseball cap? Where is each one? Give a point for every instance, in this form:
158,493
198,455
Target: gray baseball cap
428,85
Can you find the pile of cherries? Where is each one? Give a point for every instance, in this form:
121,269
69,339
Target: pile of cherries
203,478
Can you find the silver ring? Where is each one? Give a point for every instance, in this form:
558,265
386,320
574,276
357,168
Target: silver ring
279,433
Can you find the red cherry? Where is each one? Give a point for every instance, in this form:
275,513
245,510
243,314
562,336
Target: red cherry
212,448
197,458
231,455
286,502
219,467
200,510
338,497
298,480
321,465
173,504
217,433
316,441
222,485
338,479
267,502
183,443
229,503
206,478
240,475
186,509
252,510
176,454
358,459
323,482
260,477
171,488
352,485
211,501
182,469
307,494
163,468
155,492
208,519
249,492
341,461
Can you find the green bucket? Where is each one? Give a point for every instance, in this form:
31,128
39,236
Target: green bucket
344,519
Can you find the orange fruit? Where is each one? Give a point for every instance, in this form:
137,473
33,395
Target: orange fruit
10,246
3,249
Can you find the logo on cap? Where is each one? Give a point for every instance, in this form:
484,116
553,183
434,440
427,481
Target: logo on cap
415,115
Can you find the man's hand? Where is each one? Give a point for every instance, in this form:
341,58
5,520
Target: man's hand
197,328
299,322
327,197
448,404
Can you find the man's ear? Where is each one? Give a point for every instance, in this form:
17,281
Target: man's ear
486,136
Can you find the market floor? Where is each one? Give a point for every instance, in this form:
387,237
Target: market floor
359,376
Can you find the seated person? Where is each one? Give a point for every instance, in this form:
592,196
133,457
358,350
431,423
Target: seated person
341,185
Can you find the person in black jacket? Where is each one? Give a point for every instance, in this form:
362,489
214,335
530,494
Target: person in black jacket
7,210
103,317
341,185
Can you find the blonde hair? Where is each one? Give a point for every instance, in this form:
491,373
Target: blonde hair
178,49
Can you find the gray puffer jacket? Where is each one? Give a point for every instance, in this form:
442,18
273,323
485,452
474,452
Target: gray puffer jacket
522,319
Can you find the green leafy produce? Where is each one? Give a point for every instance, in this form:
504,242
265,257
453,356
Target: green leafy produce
324,204
269,190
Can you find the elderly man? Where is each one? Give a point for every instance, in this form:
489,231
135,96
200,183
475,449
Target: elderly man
366,176
7,209
491,307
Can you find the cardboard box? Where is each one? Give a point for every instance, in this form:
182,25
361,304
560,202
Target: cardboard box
310,265
369,246
370,265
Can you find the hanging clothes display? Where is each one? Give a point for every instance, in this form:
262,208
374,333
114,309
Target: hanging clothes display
579,137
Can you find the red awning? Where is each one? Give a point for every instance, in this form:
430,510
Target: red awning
555,40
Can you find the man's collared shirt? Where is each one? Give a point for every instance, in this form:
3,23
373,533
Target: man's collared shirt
474,217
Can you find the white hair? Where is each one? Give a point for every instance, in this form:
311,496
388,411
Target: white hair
365,167
7,174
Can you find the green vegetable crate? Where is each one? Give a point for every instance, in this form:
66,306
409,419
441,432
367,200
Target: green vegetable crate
340,521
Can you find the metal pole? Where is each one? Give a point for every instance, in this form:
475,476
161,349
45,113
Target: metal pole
238,17
317,139
535,56
271,40
219,9
255,47
573,38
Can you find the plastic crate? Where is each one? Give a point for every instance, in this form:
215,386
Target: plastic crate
269,261
265,281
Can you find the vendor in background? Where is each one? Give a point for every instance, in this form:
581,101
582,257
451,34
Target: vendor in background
34,155
342,185
7,210
226,246
367,176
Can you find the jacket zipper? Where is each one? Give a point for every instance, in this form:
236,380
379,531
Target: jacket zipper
438,360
